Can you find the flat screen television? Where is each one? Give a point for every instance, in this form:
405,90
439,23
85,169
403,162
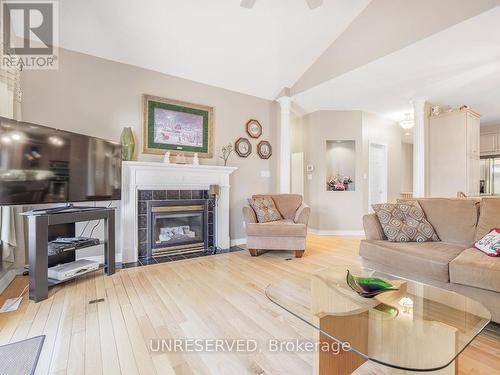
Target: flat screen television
40,165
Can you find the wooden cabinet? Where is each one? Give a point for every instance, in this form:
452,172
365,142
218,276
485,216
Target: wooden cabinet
489,142
454,153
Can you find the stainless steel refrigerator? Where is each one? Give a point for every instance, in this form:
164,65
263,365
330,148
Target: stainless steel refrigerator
490,176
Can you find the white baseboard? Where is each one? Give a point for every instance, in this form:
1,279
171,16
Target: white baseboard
321,232
238,241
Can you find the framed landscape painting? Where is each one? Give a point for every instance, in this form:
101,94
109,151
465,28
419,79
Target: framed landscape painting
170,125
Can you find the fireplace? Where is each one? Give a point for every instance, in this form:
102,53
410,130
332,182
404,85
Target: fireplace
177,227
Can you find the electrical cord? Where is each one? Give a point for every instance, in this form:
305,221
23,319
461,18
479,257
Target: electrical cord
85,227
14,300
95,226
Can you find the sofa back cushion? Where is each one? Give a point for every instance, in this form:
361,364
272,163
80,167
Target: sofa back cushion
454,220
404,222
489,216
287,204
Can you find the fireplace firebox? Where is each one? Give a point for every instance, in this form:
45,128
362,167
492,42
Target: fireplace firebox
177,227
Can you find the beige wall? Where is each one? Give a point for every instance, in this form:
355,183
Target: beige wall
332,210
407,165
343,211
379,130
99,97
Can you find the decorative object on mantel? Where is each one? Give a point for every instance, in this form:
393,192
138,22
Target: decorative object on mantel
128,144
338,183
225,151
180,158
254,128
196,159
166,157
368,287
243,147
177,126
264,149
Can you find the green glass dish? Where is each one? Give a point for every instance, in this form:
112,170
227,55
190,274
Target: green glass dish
368,287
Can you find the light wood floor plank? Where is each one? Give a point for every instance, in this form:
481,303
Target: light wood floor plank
216,297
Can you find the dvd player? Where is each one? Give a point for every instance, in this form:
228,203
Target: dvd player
66,271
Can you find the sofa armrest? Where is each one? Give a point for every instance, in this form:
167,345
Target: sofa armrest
249,215
373,229
302,214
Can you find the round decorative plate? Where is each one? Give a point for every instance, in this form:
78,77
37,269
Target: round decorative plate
264,149
243,147
254,128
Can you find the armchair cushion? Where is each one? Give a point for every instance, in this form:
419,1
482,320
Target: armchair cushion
265,209
281,228
287,204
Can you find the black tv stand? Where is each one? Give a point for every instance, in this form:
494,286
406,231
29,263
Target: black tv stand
69,207
38,239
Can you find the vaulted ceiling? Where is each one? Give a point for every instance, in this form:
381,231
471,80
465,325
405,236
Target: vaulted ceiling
255,51
347,54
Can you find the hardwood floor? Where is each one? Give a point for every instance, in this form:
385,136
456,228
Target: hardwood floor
215,297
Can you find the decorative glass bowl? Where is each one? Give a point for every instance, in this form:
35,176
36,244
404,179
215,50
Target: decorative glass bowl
368,287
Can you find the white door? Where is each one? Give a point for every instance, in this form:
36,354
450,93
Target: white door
298,173
377,174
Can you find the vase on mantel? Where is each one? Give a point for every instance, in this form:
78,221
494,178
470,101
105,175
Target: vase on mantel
128,144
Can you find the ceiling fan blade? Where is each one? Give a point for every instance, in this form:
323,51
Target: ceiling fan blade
247,3
314,3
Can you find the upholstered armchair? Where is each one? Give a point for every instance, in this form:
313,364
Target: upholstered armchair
289,233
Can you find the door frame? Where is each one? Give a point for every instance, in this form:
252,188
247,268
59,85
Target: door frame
386,180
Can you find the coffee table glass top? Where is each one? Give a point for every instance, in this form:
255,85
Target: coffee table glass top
417,327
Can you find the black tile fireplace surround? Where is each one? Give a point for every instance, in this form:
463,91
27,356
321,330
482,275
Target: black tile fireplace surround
176,198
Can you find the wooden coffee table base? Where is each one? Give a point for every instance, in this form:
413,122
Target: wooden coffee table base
346,362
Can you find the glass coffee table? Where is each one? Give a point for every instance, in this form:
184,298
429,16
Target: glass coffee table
415,328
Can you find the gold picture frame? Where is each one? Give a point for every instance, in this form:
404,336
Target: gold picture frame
167,119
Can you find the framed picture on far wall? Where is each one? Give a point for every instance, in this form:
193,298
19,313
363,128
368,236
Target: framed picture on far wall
171,125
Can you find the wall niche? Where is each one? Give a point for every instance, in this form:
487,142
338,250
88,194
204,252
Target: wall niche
340,165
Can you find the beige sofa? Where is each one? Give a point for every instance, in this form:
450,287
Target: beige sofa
287,234
452,263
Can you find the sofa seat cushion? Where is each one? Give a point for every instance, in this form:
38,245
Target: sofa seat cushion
473,268
427,259
280,228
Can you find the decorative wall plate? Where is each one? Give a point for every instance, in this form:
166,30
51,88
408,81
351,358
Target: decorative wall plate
264,149
243,147
254,128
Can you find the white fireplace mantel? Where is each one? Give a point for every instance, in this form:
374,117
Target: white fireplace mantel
138,175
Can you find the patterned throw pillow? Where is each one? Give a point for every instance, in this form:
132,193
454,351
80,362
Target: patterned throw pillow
405,222
265,209
490,243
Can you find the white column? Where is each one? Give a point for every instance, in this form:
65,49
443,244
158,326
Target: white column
284,167
419,147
